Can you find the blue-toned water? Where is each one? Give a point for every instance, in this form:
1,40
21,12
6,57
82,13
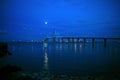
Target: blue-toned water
65,58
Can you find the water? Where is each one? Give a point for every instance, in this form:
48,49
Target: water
64,58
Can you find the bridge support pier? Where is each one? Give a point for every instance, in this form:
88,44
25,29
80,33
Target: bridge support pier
78,40
68,40
84,42
73,40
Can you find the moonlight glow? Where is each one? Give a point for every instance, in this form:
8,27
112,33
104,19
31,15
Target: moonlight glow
46,22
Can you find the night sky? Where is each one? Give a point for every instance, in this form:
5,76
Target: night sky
34,19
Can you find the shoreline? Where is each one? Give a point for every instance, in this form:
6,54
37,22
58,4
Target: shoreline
47,76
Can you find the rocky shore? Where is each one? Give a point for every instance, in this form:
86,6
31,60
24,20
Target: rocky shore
45,76
12,72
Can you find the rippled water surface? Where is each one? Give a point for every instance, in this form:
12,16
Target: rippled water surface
65,58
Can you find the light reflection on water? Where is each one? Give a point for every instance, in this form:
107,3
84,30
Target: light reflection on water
46,60
75,58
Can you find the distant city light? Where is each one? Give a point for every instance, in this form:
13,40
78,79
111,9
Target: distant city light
46,22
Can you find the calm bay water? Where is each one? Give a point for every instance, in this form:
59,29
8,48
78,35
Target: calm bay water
65,58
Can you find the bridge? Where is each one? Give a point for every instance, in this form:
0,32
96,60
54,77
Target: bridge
76,39
72,39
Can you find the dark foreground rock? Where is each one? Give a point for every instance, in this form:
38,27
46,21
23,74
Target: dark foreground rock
4,49
8,70
42,76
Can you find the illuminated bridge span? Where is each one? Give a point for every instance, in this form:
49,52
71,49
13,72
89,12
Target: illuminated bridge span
70,39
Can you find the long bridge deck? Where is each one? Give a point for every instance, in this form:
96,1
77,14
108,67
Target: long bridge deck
72,39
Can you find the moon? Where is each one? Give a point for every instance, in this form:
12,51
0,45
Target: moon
46,22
